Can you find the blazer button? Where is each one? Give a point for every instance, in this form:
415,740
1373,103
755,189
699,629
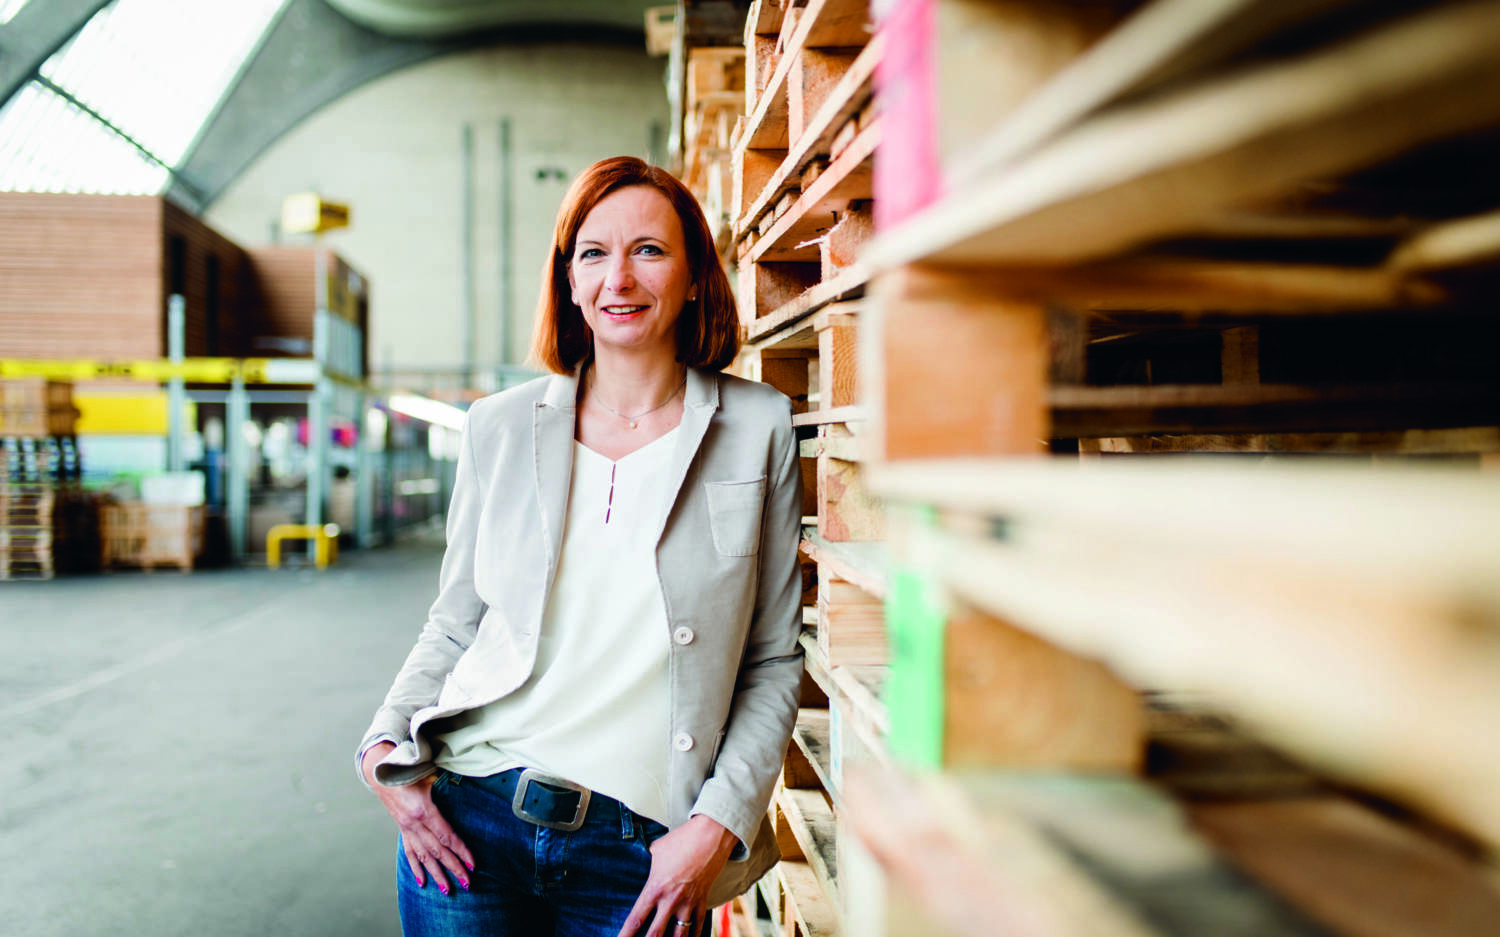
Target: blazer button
683,741
683,635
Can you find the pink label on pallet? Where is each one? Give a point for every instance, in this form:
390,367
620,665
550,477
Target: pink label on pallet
907,174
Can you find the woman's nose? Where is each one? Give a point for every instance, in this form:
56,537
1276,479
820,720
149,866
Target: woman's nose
619,277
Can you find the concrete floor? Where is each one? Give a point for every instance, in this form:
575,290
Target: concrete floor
177,750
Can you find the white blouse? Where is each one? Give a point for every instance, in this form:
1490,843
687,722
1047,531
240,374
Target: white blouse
595,709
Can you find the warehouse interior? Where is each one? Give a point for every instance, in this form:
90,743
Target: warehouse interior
1142,357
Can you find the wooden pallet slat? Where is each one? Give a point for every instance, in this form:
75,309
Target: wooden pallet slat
1230,141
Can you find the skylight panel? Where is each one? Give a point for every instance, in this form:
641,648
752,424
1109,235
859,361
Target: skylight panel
156,69
49,145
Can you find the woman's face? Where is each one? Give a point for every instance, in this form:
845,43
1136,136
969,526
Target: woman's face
629,271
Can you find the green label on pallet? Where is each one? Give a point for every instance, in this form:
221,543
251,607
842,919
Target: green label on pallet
914,690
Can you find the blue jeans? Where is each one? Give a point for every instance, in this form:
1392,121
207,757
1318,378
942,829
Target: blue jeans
528,880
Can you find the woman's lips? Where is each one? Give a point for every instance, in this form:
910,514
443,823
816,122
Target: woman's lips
622,312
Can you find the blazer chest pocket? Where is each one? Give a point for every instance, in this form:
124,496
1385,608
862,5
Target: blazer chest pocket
734,514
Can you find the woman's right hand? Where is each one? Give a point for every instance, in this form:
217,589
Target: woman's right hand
431,845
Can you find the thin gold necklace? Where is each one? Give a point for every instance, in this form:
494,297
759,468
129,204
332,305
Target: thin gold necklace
634,421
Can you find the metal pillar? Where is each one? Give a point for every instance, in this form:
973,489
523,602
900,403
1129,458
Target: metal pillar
176,389
507,199
364,480
318,403
466,200
237,489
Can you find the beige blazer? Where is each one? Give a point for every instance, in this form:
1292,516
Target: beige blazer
726,558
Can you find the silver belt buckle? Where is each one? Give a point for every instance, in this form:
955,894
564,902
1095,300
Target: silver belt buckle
517,803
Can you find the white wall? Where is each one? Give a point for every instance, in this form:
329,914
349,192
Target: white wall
392,150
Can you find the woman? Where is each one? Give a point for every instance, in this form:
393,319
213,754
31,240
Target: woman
585,737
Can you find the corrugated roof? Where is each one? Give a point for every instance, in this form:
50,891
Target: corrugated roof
127,95
9,8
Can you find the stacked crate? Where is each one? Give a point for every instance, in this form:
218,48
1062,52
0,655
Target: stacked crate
36,452
715,100
136,534
801,208
1111,691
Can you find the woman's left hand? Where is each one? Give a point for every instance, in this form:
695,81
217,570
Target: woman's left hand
684,864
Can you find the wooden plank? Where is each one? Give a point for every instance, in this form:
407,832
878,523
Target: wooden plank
811,737
1174,286
790,375
1360,873
812,822
1474,439
764,18
797,772
1328,610
842,244
864,564
851,624
941,54
815,75
1464,242
850,414
935,402
848,179
772,285
753,170
1243,138
846,511
837,115
838,351
806,905
1053,856
1240,360
1013,699
1162,40
847,284
813,662
1267,408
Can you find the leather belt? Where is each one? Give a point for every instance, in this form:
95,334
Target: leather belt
542,799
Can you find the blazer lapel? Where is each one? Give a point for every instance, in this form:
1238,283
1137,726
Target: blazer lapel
552,430
700,400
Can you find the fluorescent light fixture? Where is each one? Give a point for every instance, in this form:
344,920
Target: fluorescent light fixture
427,410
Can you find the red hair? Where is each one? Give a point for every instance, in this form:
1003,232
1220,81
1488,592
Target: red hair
708,331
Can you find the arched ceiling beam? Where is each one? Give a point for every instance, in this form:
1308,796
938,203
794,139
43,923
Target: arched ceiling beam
436,19
37,31
313,55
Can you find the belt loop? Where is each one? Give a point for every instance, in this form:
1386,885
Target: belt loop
627,823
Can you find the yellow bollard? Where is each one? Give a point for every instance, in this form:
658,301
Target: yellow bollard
324,538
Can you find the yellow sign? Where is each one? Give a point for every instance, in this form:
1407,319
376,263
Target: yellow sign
124,414
307,213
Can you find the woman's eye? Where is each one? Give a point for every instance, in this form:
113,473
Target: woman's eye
589,253
650,249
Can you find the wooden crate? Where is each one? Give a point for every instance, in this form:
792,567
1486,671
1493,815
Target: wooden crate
149,535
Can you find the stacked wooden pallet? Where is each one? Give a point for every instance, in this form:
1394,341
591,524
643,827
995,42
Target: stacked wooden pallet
800,206
1121,695
38,473
136,534
1249,698
715,100
36,408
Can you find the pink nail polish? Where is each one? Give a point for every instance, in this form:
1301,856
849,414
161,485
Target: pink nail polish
464,884
443,888
469,865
